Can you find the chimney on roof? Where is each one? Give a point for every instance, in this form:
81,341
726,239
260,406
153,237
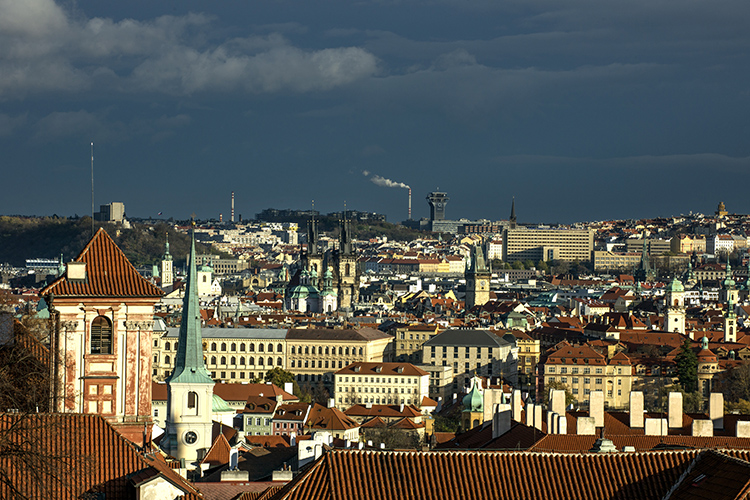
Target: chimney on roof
716,409
596,407
331,403
636,410
401,408
675,410
76,271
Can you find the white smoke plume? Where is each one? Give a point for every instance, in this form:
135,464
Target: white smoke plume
383,182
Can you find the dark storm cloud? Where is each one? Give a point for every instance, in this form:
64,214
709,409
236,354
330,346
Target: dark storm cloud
560,103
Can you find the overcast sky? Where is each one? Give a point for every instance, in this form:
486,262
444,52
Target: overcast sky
581,109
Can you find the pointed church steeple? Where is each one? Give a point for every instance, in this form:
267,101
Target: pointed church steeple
513,213
190,387
189,365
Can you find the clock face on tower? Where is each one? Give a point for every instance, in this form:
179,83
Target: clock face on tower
482,283
190,437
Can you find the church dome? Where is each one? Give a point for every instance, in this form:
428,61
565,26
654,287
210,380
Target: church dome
675,286
474,401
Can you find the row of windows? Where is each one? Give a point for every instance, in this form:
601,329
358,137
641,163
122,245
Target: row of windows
479,351
232,361
311,364
385,390
343,351
376,400
384,380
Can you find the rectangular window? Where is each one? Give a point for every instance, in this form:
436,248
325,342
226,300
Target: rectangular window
586,380
598,370
598,381
563,369
586,370
550,369
575,380
574,370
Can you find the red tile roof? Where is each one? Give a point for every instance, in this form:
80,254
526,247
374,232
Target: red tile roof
108,274
406,369
84,452
488,475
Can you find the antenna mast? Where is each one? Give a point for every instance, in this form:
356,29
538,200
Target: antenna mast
92,189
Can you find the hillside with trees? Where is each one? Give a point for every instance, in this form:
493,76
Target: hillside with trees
24,238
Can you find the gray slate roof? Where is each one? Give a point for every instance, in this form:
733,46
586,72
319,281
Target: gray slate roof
468,338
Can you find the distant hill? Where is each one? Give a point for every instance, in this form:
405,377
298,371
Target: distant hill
24,238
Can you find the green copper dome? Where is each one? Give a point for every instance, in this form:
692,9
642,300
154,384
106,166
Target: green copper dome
675,286
474,401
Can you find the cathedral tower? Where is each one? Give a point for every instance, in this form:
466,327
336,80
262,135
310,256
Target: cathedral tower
477,279
189,388
346,260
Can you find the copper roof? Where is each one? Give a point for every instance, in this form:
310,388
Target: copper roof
108,274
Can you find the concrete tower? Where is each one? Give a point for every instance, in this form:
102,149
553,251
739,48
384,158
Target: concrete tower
190,389
437,201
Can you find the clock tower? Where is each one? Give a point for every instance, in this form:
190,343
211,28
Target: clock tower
477,279
190,388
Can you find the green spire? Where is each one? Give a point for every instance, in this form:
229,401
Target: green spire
167,255
189,366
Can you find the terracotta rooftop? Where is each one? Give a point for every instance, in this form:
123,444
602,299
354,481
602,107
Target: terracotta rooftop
494,475
85,454
108,274
392,369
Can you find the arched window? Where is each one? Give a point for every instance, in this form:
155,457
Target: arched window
234,360
347,270
213,360
327,351
320,349
270,347
192,403
204,278
278,361
279,348
341,350
223,346
346,351
156,358
307,350
260,347
293,350
223,360
166,360
251,348
361,351
101,336
242,360
167,346
213,346
234,347
270,361
251,361
242,347
293,363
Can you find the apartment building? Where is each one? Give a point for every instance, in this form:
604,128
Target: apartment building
535,244
244,354
380,383
409,340
473,352
582,369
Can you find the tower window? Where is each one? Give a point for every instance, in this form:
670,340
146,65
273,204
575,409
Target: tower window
192,403
101,336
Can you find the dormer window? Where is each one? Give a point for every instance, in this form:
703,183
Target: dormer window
101,336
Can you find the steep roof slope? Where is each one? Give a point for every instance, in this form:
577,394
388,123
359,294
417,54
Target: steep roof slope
108,274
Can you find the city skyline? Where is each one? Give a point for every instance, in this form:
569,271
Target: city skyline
582,111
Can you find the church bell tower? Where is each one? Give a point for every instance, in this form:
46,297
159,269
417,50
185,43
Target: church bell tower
190,388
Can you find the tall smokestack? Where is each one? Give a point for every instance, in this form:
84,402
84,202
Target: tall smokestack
409,204
232,206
